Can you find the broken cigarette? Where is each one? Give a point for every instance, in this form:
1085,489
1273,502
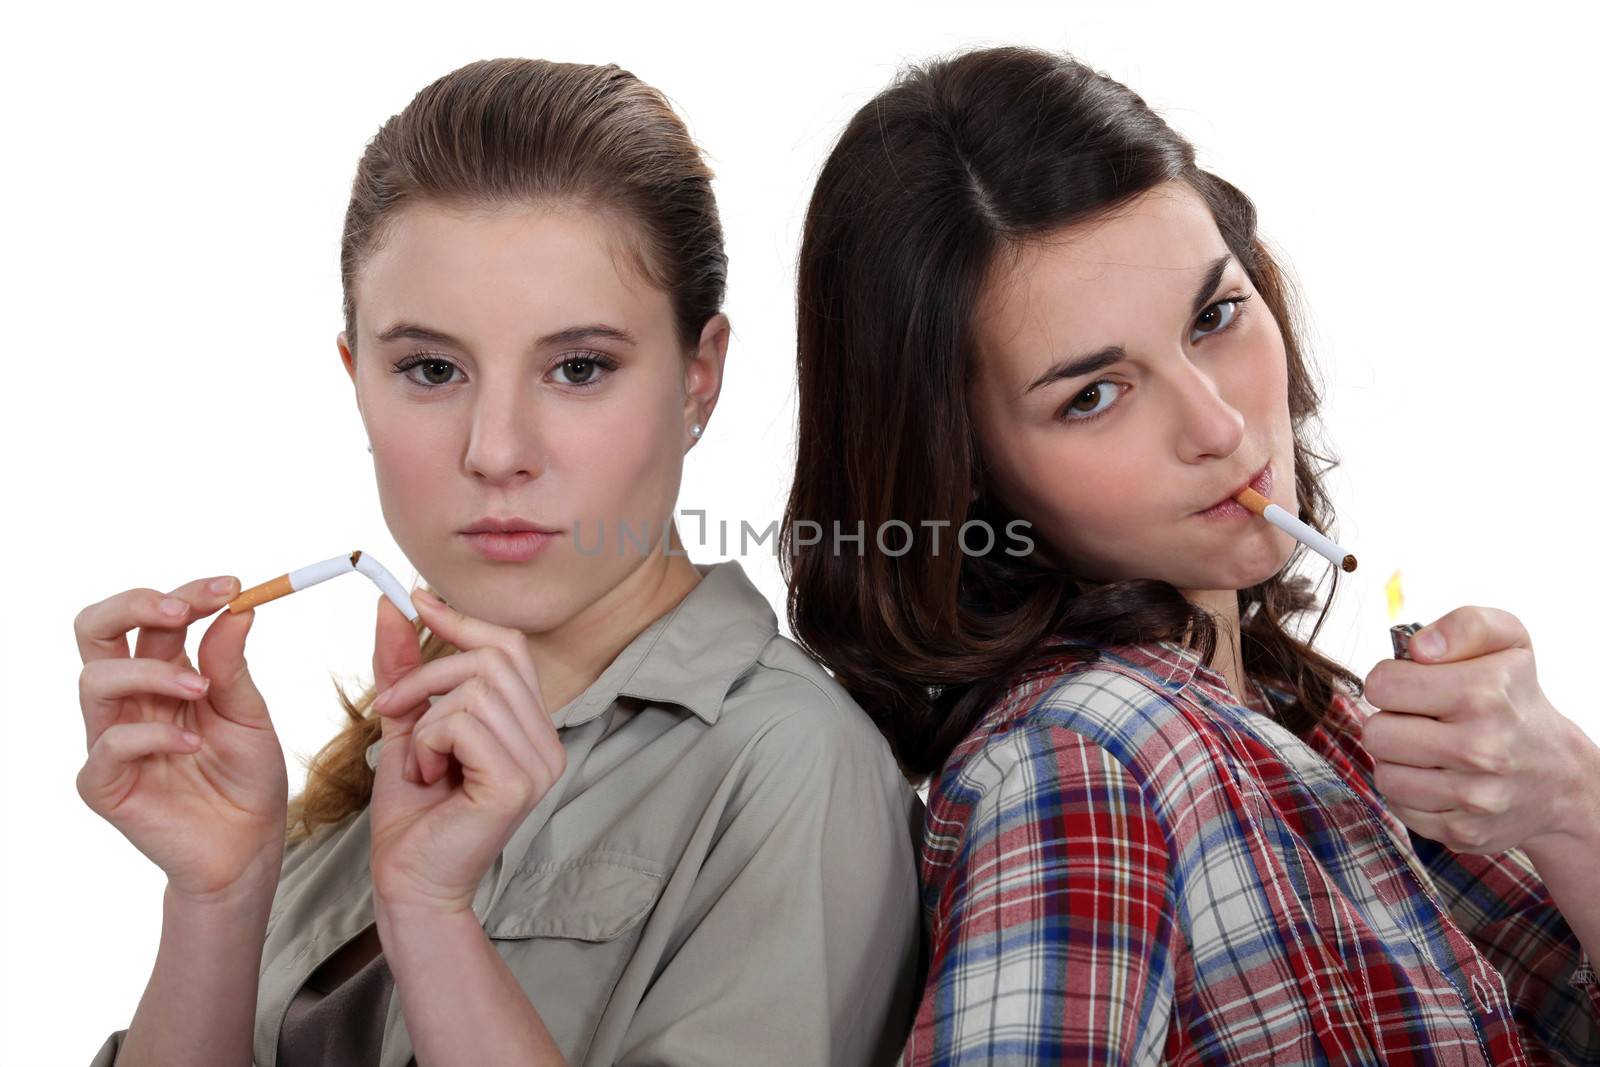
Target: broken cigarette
1295,528
310,575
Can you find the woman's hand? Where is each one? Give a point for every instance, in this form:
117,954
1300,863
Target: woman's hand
1469,752
210,813
456,779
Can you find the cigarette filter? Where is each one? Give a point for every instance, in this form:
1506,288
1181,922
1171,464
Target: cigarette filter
1295,528
311,574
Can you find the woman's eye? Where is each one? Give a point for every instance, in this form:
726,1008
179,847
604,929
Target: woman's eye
580,370
1214,322
1094,394
1211,318
441,366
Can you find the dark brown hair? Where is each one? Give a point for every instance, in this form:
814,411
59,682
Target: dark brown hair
933,181
524,132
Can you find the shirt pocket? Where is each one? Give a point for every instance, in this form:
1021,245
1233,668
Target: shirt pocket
568,929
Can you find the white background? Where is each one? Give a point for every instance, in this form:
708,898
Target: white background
175,183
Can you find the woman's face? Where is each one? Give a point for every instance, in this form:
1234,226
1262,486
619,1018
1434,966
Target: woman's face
1194,405
513,363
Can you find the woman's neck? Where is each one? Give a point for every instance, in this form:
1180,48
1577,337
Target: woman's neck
1226,659
570,658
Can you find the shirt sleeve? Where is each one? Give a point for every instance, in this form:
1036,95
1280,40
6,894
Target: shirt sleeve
107,1056
802,936
1052,936
1500,902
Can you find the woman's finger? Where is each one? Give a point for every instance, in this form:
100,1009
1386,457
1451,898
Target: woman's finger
1440,789
166,642
1446,691
441,676
476,697
490,773
103,685
408,695
1415,741
109,771
466,632
1420,788
1457,830
1472,631
101,629
1429,824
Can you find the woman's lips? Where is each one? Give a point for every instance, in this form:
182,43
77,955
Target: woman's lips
510,547
1231,508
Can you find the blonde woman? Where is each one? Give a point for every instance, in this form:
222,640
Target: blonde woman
608,815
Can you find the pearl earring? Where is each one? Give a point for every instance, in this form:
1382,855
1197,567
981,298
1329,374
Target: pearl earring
696,430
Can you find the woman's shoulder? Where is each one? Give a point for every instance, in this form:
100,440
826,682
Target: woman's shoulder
1110,700
787,704
1110,716
1050,766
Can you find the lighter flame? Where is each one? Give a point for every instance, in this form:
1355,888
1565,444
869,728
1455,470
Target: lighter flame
1397,599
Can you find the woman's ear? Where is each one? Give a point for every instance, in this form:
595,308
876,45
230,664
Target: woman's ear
346,354
702,374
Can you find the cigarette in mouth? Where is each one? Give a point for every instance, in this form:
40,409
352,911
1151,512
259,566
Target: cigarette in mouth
1295,528
311,574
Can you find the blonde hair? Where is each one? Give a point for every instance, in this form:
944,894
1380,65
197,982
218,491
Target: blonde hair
502,132
338,780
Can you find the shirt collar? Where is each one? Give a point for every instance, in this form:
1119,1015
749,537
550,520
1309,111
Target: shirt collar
1170,665
692,655
1175,667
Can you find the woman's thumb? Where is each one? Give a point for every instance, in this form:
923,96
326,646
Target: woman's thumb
233,692
396,650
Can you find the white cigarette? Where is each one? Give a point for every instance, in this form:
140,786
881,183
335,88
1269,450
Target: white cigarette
1295,528
312,573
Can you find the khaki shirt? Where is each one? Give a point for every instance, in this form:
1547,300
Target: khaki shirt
724,873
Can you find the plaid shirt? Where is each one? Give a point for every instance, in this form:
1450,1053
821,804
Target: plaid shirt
1120,864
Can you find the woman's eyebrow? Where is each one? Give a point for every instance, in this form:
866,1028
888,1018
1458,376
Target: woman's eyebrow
591,331
587,332
1078,366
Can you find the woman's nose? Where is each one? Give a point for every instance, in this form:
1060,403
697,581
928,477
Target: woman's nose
1208,423
504,442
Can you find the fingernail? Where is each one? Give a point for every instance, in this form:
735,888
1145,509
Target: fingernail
173,606
1429,643
425,596
222,585
383,699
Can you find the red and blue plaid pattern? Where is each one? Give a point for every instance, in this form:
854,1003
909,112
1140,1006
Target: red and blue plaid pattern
1122,865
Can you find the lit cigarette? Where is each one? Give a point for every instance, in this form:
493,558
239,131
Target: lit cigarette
310,575
1295,528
